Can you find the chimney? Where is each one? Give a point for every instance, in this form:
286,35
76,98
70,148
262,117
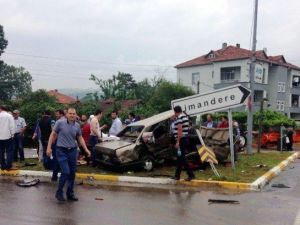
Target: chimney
265,50
238,45
224,45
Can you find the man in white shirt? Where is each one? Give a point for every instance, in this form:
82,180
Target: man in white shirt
19,136
116,126
7,131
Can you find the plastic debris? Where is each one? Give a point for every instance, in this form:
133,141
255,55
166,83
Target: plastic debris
223,201
28,183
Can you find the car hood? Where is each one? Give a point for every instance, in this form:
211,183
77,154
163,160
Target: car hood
110,147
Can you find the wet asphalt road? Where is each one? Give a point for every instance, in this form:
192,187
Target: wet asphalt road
136,206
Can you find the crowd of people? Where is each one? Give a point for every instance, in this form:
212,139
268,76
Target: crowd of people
12,132
59,140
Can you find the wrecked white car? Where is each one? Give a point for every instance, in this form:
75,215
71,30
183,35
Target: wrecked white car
141,144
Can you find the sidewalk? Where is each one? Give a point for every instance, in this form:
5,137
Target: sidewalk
143,177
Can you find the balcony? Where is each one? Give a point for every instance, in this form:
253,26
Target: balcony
230,74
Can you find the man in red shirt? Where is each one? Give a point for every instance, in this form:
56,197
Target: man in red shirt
224,123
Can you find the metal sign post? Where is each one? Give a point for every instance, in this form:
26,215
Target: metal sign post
231,138
209,160
219,100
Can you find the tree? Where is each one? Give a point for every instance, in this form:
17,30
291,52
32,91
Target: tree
14,82
87,108
120,86
272,119
33,105
165,92
145,89
3,41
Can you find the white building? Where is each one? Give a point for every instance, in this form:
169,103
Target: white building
275,79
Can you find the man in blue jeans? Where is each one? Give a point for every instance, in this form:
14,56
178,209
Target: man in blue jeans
18,139
66,131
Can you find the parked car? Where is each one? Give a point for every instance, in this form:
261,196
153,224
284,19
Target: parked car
142,144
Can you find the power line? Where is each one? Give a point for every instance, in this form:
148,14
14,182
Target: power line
83,60
59,76
89,71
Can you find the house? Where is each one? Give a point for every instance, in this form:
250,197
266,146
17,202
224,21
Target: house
275,78
62,98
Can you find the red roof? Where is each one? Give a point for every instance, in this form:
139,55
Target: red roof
109,104
278,58
61,98
234,53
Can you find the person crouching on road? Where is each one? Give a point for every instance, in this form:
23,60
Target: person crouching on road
182,143
66,131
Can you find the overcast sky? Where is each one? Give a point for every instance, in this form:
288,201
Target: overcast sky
62,42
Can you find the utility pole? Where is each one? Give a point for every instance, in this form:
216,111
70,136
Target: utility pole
252,68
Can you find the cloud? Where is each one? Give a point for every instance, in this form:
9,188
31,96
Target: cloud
160,32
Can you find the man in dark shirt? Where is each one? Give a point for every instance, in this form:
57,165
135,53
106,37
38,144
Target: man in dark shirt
210,123
182,143
45,125
66,131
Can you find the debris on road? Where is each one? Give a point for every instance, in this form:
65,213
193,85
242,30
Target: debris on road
80,183
223,201
99,199
29,164
280,186
260,165
28,183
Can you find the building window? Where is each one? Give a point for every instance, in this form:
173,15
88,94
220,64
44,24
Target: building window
195,78
211,55
230,74
258,96
295,101
281,86
296,81
280,105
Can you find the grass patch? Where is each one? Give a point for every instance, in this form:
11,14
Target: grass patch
246,170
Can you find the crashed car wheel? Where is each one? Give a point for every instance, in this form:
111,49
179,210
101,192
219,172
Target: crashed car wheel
148,162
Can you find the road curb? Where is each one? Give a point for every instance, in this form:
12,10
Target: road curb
255,186
259,183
